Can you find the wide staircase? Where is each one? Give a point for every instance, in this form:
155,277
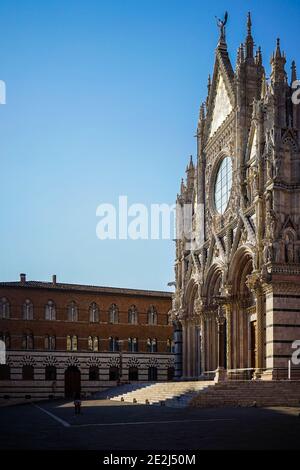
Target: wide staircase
249,393
207,394
176,394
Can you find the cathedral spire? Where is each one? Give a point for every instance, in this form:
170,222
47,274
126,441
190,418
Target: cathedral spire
208,85
278,62
241,54
208,90
249,39
278,51
201,116
264,86
294,72
182,186
258,57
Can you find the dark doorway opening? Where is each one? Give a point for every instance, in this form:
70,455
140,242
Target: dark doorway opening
133,374
72,382
152,373
114,373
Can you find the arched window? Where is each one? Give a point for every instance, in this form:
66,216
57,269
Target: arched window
94,313
152,345
4,309
69,343
74,340
50,310
5,337
50,342
72,343
133,374
133,315
114,373
95,344
27,310
152,315
90,343
170,345
28,341
132,344
72,312
94,373
113,344
113,314
152,373
50,373
4,372
28,372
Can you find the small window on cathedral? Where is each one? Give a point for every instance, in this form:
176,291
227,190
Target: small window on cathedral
223,185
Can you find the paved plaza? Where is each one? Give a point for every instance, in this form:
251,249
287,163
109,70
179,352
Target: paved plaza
106,425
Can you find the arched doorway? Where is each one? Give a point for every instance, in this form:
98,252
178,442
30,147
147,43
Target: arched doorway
72,381
211,337
191,332
133,374
243,314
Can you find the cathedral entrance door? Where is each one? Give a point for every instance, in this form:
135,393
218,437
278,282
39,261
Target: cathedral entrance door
253,344
72,381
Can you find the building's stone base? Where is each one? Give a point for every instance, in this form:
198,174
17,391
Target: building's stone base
41,389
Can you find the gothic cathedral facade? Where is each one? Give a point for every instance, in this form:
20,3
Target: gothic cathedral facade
236,308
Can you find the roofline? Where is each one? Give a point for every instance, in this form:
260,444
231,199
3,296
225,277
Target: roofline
84,288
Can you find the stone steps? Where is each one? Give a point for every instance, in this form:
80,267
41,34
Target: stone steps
254,393
167,393
208,394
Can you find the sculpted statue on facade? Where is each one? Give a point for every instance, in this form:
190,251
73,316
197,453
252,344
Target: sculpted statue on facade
271,218
289,249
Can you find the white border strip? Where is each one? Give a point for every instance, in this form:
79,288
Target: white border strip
138,423
61,421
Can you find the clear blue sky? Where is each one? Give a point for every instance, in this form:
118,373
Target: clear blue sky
102,101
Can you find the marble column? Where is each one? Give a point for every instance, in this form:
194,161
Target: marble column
221,373
259,332
228,314
178,349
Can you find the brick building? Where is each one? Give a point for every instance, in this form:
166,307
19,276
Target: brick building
61,338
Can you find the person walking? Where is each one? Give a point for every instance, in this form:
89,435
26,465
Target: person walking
77,404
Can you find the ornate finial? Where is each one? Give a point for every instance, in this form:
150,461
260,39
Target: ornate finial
294,72
249,39
208,83
264,86
249,24
278,65
182,186
259,56
240,55
221,25
278,51
202,112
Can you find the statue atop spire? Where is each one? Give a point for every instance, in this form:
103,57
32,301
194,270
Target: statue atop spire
221,25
